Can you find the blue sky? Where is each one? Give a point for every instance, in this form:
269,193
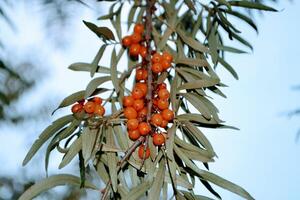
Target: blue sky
263,156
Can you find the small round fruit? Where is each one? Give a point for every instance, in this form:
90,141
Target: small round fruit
167,114
97,100
126,41
132,124
161,86
77,108
164,123
89,107
137,93
143,87
134,134
145,74
99,110
143,153
155,101
163,104
142,113
156,58
156,119
157,68
167,56
128,101
158,139
130,113
138,104
165,64
139,74
139,28
134,50
144,128
163,94
143,51
135,38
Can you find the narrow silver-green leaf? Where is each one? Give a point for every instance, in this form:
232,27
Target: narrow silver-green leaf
112,159
191,42
89,137
75,147
139,191
95,62
154,193
93,84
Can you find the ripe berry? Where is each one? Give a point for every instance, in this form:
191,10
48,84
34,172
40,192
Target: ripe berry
145,74
138,104
155,101
157,68
165,64
158,139
143,87
144,128
134,50
143,51
143,154
164,123
162,86
139,28
99,110
167,56
139,74
167,114
135,38
163,104
130,113
126,41
134,134
132,124
137,93
156,119
89,107
163,94
142,113
97,100
156,58
76,108
128,101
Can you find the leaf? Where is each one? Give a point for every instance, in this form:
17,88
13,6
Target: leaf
75,147
251,5
229,68
113,71
89,137
241,40
131,15
45,135
191,42
191,5
192,62
198,84
93,84
53,181
195,118
243,17
213,42
94,64
224,2
137,192
157,184
80,66
102,32
231,49
112,159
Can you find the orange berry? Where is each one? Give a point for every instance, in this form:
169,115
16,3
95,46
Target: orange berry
138,104
142,113
164,123
155,101
132,124
139,28
162,86
99,110
144,128
143,87
156,58
163,94
135,38
97,100
134,134
167,114
158,139
143,51
126,41
139,74
143,153
156,119
165,64
145,74
128,101
167,56
137,93
157,68
76,108
89,107
134,50
130,113
163,104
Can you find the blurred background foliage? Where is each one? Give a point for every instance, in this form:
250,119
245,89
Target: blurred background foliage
17,78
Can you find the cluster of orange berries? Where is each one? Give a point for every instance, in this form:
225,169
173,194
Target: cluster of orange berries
92,106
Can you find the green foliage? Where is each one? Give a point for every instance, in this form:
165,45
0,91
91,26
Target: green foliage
195,39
